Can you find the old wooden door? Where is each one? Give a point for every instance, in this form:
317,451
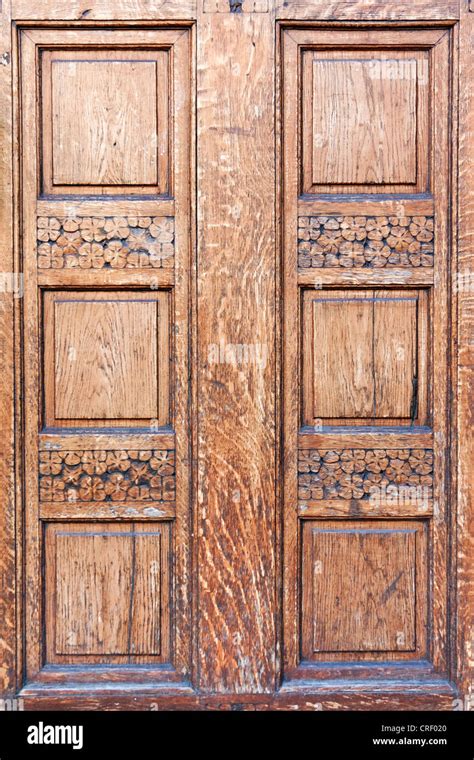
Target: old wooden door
231,400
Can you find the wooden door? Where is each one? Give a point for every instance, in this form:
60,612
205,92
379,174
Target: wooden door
236,355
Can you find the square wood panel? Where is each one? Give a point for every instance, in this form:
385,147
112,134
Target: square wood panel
364,587
365,356
107,591
106,358
105,122
365,121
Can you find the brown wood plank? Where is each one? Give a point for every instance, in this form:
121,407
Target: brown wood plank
236,283
8,598
107,511
366,10
77,441
359,205
97,10
381,695
317,278
149,278
107,592
354,508
118,207
464,286
345,438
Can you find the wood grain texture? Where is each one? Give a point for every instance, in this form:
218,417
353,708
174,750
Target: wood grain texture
364,118
430,695
104,152
106,358
366,10
361,111
365,356
132,11
464,286
364,589
8,595
236,285
372,607
409,345
107,592
235,603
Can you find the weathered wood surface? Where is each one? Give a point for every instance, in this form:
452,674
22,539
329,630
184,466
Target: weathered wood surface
236,419
464,288
8,594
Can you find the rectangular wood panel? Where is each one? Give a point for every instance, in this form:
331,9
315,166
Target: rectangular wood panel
363,587
364,119
103,151
365,356
106,358
395,356
99,151
364,116
107,591
343,380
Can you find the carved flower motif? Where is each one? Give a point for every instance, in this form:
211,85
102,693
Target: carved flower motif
163,462
70,224
330,241
116,227
139,493
71,475
50,463
378,241
48,228
162,229
94,462
117,460
116,486
352,254
91,256
92,488
138,260
116,255
401,240
137,241
376,460
69,242
398,471
422,228
353,228
377,228
353,473
309,460
51,489
92,229
50,257
138,472
73,457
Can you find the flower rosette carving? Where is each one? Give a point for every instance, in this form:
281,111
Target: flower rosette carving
368,242
115,475
353,473
119,242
